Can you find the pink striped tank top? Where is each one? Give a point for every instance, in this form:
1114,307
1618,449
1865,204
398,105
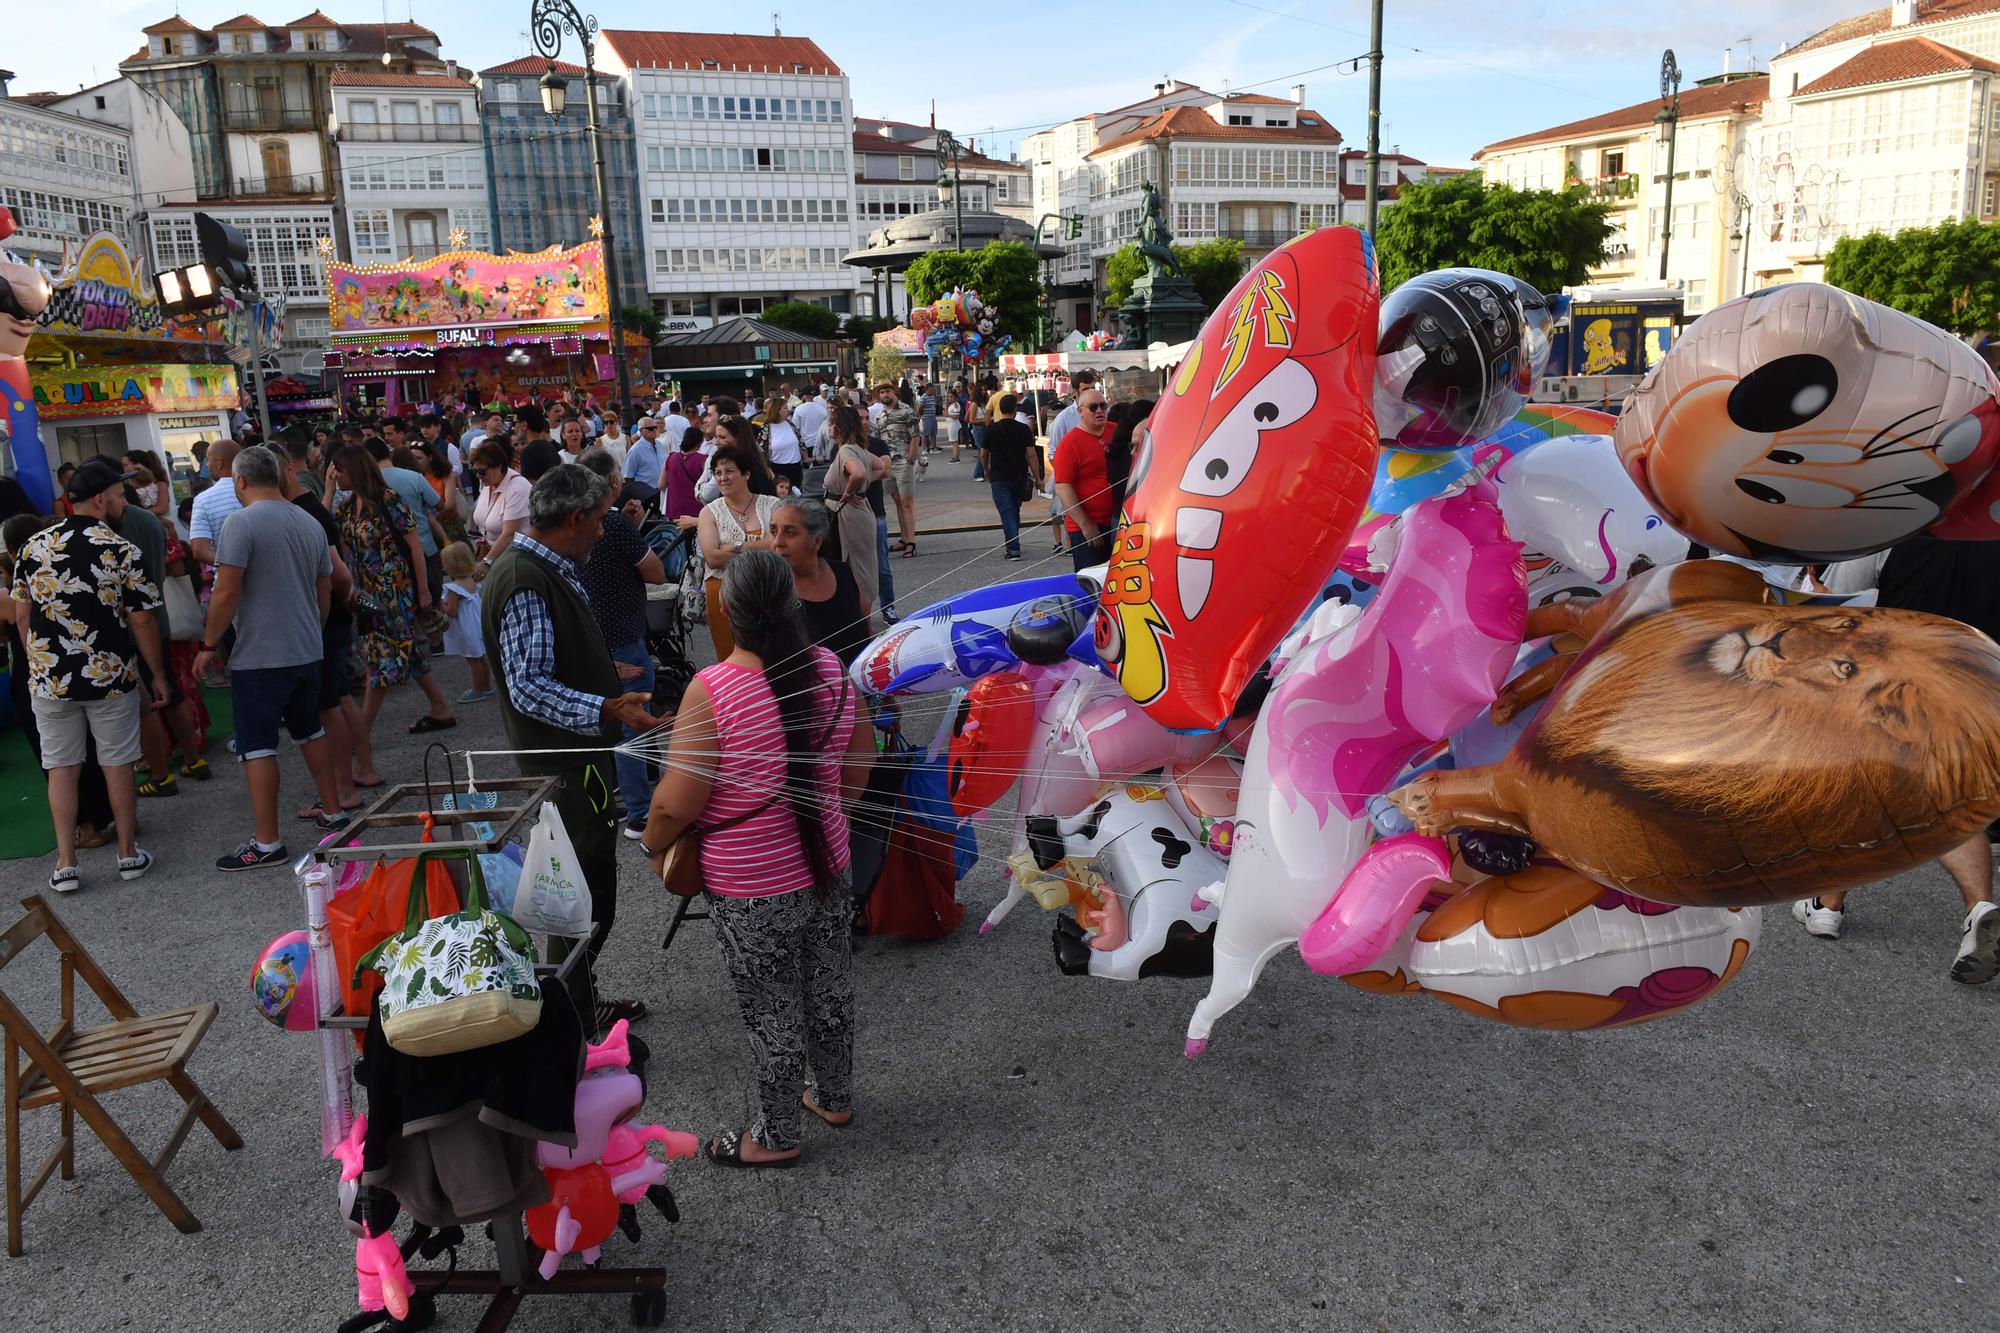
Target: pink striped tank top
762,855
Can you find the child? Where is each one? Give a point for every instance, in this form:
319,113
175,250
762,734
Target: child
462,637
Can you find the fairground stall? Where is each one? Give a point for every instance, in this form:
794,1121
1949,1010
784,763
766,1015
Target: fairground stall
469,328
109,372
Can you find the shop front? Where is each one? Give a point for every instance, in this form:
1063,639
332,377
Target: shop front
471,329
108,372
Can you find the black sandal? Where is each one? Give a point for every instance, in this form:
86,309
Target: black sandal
427,723
726,1149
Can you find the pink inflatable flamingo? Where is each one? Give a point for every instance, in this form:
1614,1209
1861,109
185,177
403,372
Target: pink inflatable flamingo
1346,714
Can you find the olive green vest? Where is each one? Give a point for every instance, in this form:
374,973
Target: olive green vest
582,660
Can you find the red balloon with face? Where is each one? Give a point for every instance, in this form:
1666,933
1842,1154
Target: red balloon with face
1257,466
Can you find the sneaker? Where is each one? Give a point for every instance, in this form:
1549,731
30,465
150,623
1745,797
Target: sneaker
197,769
1012,555
889,615
1979,948
1823,922
248,856
331,823
64,879
475,696
166,786
636,832
131,867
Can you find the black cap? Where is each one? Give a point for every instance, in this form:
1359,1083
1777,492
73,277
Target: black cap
95,477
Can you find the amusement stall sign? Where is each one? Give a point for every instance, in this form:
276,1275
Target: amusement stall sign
467,298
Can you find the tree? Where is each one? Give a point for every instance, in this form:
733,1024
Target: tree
1213,266
642,319
815,321
885,363
1947,275
1006,275
861,329
1549,238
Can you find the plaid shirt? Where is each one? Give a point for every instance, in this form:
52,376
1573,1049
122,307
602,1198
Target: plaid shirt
528,648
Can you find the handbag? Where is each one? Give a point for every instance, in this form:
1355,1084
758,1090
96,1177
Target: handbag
458,982
375,909
184,611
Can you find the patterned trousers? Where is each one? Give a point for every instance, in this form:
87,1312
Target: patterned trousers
790,958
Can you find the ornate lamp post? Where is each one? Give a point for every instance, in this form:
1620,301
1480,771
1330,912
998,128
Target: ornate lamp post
549,19
1666,127
949,145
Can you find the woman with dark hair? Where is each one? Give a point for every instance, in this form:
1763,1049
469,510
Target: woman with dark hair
834,602
769,749
849,478
743,432
734,522
780,443
1127,437
381,533
502,508
156,488
681,475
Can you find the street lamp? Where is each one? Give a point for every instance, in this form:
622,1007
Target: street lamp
1666,128
949,145
549,19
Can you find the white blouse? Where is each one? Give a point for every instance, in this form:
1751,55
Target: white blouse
729,531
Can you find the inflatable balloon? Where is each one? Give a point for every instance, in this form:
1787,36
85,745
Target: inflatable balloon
1547,948
1454,360
579,1217
1709,748
989,739
923,319
1342,720
1258,464
1049,630
281,982
1803,423
952,643
1584,528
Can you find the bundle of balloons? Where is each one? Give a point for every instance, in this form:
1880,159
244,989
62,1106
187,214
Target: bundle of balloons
1390,667
961,323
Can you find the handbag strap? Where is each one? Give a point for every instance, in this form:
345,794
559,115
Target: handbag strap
701,830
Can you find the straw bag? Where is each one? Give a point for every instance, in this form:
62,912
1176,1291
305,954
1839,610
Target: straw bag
459,982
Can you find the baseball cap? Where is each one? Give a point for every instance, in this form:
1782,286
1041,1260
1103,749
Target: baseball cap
95,477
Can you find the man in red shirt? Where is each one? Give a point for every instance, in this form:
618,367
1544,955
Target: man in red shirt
1083,484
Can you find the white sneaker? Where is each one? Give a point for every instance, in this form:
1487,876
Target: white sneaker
135,865
1821,921
1979,948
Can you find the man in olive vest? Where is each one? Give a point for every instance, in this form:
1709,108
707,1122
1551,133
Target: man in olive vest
559,688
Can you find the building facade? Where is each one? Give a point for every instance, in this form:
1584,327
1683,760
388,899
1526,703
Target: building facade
540,173
258,104
744,152
411,160
63,177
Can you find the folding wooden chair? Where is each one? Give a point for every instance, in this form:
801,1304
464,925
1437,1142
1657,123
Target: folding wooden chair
72,1068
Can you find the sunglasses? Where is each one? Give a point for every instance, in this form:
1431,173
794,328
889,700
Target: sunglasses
1091,407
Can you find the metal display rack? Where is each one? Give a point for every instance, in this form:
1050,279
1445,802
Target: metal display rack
514,1278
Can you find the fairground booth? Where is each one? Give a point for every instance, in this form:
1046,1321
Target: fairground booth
110,372
469,328
746,359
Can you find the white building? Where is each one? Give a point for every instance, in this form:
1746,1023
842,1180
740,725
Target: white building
744,150
63,177
1246,166
411,163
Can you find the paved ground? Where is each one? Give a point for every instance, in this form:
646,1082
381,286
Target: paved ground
1807,1151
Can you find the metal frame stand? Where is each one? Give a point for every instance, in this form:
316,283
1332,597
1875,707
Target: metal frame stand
513,1279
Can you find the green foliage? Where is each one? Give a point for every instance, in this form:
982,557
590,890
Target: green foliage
884,363
1213,266
1004,273
815,321
642,319
1549,238
1947,275
861,329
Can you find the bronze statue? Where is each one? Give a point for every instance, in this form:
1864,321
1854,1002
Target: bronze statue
1155,241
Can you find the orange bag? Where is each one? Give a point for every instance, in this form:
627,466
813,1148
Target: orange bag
916,895
375,909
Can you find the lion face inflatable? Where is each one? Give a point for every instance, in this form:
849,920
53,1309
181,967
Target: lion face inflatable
1801,423
1709,750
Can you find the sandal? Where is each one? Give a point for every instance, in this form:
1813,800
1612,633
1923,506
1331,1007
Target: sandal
909,549
824,1114
313,812
726,1149
427,723
371,786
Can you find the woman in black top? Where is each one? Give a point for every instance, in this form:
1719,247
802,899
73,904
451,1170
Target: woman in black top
835,606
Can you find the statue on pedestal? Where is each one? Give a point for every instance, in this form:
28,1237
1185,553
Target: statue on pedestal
1156,243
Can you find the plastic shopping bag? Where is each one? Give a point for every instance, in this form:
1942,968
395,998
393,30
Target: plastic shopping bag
551,896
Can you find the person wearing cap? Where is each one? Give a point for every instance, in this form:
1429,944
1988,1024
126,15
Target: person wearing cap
89,622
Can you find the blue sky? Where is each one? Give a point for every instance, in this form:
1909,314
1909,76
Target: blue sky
1482,69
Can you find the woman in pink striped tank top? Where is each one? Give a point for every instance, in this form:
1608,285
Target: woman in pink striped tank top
769,750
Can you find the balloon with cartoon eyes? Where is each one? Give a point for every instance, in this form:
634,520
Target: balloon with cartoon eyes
1458,352
1803,423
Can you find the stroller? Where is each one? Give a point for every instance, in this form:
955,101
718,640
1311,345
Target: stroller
666,611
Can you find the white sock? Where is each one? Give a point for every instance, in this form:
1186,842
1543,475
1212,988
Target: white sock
268,847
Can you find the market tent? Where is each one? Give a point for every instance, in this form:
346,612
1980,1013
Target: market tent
740,350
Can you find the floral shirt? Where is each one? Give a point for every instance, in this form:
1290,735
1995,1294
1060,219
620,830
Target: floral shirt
81,582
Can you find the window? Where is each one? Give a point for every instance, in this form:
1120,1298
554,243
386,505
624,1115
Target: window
446,113
1613,164
369,230
473,222
277,159
239,43
315,41
1274,124
1241,120
507,90
1989,198
422,228
660,210
403,113
906,168
361,113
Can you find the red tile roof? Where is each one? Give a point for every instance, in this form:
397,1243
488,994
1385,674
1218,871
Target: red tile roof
876,143
1893,62
1878,21
316,19
350,79
740,52
242,21
1258,98
1697,103
38,99
537,65
1150,97
1188,122
174,24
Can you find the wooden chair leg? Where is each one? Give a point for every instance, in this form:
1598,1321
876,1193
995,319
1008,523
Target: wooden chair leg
191,1093
13,1111
68,1143
136,1164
